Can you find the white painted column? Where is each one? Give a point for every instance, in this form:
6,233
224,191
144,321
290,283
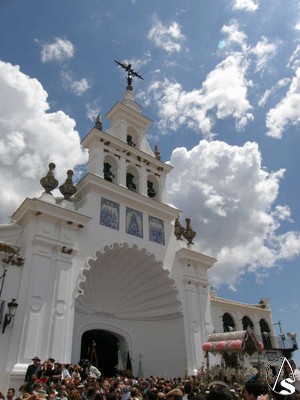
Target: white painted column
38,310
143,189
162,182
191,324
96,160
205,316
122,172
194,285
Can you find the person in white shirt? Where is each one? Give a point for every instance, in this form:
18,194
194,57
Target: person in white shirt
93,372
65,374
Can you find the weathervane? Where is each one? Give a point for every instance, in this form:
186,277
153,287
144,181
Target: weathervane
130,73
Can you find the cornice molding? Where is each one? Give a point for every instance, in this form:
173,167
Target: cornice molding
39,207
188,255
255,307
127,196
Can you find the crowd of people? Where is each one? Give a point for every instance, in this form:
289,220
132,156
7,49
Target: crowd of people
55,381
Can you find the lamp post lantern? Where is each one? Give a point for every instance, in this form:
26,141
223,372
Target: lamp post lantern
11,312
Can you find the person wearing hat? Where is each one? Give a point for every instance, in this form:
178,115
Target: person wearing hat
174,394
33,368
42,394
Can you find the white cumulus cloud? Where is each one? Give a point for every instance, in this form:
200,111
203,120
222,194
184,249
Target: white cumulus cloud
232,209
294,61
281,83
234,35
287,111
31,137
223,94
93,109
59,50
168,38
264,51
78,87
246,5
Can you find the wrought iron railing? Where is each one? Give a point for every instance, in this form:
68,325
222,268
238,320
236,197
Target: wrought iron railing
287,343
282,342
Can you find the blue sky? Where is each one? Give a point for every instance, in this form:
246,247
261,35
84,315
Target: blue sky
222,87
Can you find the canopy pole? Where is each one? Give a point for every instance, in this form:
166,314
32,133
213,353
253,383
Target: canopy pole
207,364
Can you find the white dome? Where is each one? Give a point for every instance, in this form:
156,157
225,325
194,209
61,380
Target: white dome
127,283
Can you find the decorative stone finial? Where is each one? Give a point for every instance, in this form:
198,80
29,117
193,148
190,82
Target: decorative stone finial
178,229
49,182
156,152
68,189
189,234
98,123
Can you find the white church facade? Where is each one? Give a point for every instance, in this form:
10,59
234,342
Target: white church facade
111,264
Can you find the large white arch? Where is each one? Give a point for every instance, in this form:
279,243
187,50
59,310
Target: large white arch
125,291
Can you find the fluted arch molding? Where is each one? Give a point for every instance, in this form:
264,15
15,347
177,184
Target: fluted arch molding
127,282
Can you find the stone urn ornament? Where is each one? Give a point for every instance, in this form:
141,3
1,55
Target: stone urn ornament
189,234
49,182
178,229
68,189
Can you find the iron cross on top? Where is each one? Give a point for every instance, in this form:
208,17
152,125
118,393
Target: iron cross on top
130,73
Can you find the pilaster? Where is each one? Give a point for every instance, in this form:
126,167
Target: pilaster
193,273
122,172
45,316
143,182
161,191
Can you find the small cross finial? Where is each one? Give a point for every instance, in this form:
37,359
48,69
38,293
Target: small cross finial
130,73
